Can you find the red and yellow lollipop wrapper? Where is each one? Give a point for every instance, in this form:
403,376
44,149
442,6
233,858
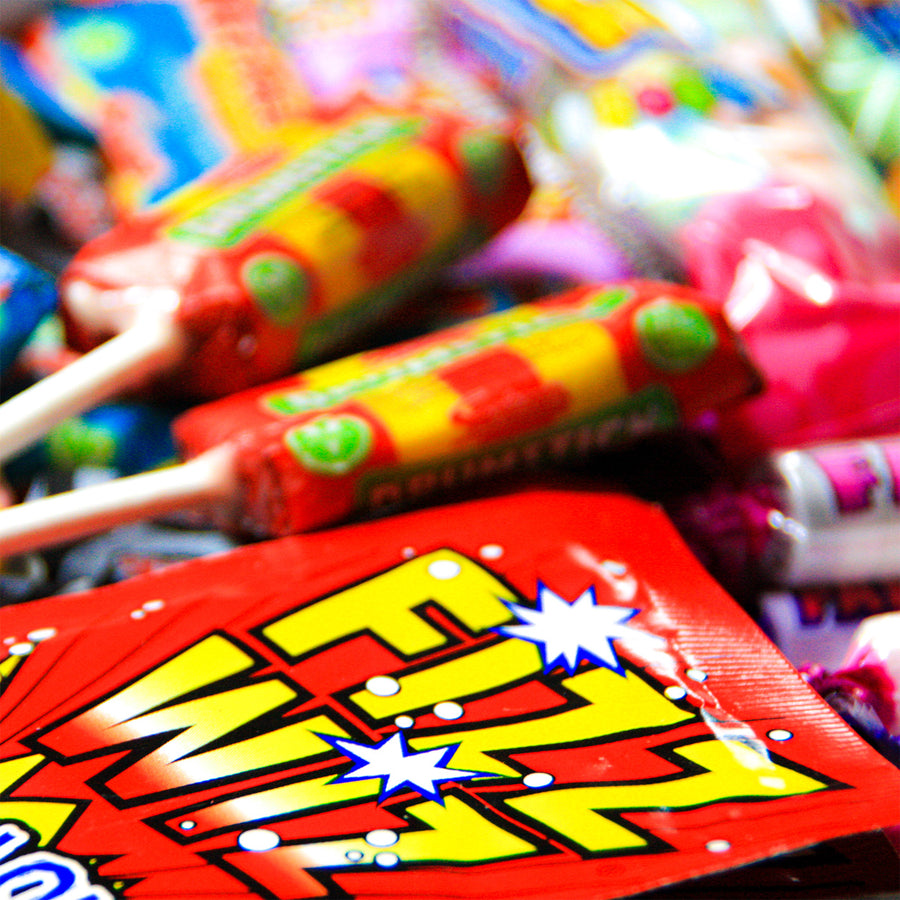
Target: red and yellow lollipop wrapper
536,695
542,382
274,259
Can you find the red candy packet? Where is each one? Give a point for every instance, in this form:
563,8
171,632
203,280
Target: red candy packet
536,695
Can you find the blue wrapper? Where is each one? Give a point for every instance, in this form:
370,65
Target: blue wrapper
167,88
27,294
126,437
136,53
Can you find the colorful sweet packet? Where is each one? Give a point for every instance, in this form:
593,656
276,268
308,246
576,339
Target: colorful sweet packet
27,294
540,694
168,89
659,107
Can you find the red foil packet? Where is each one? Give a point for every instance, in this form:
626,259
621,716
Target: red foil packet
535,695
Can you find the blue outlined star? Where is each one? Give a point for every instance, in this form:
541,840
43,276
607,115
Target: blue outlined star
398,767
569,633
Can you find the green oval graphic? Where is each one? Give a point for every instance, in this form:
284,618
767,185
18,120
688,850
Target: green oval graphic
675,337
486,159
278,286
103,43
330,445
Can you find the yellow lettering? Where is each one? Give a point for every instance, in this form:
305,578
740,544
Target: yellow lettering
207,662
139,712
732,771
475,673
199,722
455,833
8,668
45,817
386,605
297,797
614,704
292,743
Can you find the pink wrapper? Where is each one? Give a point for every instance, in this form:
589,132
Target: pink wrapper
818,309
876,644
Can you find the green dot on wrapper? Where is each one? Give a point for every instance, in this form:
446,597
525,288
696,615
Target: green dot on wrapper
691,90
278,286
674,337
485,158
102,44
330,445
74,443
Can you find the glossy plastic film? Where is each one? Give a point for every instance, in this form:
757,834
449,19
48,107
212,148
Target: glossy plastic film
539,695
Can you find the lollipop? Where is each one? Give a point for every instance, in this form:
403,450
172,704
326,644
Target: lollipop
274,259
551,380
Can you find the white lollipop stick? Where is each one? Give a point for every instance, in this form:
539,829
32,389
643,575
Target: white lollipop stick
146,348
73,514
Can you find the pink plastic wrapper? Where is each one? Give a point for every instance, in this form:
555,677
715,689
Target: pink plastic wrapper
865,690
877,643
818,309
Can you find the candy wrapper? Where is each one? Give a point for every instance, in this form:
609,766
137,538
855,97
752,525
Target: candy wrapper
168,89
389,51
274,259
790,275
865,688
534,695
689,125
876,643
553,380
816,626
823,514
280,255
658,107
27,294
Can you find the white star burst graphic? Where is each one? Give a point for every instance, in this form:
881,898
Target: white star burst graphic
568,633
398,767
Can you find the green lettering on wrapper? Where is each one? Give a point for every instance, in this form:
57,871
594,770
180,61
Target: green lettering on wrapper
650,411
226,221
